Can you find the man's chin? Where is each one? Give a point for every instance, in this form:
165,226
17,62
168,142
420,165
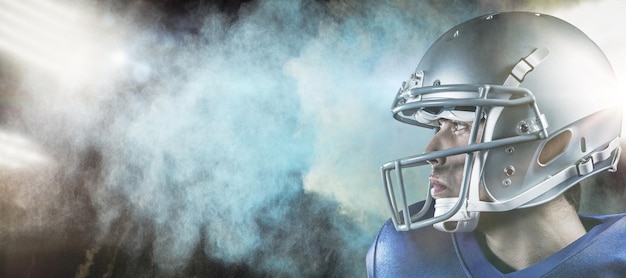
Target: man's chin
442,194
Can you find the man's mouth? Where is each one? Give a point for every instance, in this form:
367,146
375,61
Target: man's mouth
436,188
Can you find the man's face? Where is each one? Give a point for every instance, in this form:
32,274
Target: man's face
447,172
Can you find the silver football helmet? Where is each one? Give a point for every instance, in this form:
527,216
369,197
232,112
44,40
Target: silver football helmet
528,79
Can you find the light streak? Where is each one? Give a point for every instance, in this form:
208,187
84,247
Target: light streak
62,40
18,152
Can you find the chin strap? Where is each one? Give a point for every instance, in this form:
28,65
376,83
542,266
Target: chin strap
461,221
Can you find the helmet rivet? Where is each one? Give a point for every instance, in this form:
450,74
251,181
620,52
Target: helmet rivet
437,83
523,128
509,170
506,182
509,150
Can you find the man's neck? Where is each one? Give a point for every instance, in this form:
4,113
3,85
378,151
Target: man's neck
523,237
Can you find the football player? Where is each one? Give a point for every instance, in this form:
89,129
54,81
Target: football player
523,108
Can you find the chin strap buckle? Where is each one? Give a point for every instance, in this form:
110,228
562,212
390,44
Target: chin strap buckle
586,164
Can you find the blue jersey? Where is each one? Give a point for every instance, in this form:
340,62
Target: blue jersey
426,252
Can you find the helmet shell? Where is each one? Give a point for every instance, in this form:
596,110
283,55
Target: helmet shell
574,88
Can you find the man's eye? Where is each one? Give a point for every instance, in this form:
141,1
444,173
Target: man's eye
458,126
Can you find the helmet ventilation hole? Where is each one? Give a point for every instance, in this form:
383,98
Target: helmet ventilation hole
583,144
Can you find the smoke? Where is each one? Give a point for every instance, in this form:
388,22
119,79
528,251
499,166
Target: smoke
239,140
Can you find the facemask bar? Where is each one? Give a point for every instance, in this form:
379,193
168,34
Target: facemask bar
484,96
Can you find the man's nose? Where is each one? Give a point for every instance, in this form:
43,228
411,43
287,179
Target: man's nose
435,144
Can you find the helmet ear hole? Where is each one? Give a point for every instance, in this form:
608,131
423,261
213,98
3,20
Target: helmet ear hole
554,147
450,225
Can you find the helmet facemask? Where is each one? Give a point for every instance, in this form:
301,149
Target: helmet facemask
423,106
